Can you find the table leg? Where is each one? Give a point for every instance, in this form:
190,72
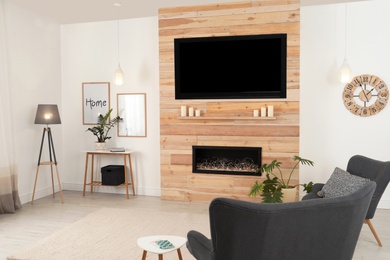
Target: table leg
126,179
131,175
179,254
160,257
85,173
92,164
144,255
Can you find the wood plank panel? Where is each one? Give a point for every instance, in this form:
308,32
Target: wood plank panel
228,130
168,13
181,159
279,138
231,20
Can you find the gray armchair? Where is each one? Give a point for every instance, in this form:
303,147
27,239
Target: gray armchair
320,229
377,171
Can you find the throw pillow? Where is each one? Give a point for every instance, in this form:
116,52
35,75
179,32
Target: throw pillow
341,183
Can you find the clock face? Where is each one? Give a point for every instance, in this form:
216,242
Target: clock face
365,95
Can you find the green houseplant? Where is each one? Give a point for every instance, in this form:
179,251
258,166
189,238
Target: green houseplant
104,126
271,189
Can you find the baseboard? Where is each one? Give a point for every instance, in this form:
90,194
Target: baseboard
38,194
384,204
110,189
144,191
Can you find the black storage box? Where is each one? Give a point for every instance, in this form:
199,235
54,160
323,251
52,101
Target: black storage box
113,175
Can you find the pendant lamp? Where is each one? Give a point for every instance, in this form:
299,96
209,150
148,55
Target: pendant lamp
345,72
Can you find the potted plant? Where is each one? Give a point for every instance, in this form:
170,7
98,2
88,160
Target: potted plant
272,190
102,129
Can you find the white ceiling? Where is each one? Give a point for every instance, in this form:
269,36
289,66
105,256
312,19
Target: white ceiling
80,11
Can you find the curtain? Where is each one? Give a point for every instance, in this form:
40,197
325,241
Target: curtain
9,195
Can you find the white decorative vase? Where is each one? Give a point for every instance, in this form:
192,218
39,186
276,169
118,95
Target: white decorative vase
289,194
100,146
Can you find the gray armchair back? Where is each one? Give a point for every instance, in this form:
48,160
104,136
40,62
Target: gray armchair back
375,170
313,229
378,171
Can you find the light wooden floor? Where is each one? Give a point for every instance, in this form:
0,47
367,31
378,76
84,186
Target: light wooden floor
48,215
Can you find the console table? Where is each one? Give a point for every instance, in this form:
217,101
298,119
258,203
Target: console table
126,156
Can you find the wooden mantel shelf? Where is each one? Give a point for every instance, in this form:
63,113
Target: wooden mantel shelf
225,118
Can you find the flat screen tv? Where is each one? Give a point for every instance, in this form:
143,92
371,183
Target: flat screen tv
231,67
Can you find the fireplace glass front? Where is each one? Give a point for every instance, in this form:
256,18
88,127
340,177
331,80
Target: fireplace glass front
231,160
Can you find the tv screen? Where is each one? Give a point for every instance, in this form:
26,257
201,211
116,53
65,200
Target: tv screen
231,67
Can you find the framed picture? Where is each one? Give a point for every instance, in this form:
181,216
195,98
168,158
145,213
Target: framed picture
132,109
96,100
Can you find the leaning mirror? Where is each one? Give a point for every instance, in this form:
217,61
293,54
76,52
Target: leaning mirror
132,108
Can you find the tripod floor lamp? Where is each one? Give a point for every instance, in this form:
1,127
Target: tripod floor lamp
48,115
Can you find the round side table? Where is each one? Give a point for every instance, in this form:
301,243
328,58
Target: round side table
148,244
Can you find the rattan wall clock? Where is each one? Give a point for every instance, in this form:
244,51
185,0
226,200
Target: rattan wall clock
365,95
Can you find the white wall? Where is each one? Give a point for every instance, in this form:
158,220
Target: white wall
34,77
330,134
89,54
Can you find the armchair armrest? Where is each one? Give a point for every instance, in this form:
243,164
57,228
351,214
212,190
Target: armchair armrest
199,245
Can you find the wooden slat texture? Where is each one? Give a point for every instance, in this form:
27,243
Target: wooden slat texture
279,138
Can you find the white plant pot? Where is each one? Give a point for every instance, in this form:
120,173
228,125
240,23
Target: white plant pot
100,146
289,194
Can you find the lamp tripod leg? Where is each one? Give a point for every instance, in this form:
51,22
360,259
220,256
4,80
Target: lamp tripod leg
52,180
59,185
39,163
51,162
35,185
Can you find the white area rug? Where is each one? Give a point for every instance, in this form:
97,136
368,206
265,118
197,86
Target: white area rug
110,233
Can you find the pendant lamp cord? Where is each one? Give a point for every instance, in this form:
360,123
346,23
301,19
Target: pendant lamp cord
345,28
118,38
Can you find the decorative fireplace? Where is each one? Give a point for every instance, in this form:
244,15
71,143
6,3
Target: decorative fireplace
226,160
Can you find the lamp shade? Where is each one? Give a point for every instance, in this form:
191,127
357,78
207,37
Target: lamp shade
47,115
119,76
345,73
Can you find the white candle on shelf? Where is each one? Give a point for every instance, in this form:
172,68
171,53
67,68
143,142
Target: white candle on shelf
263,112
183,111
270,111
191,111
197,112
256,113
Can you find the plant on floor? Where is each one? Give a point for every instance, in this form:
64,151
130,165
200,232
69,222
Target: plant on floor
103,126
270,190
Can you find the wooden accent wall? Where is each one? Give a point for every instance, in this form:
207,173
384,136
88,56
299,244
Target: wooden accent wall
278,138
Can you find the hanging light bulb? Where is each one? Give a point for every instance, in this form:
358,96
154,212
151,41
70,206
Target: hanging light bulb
345,72
119,77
